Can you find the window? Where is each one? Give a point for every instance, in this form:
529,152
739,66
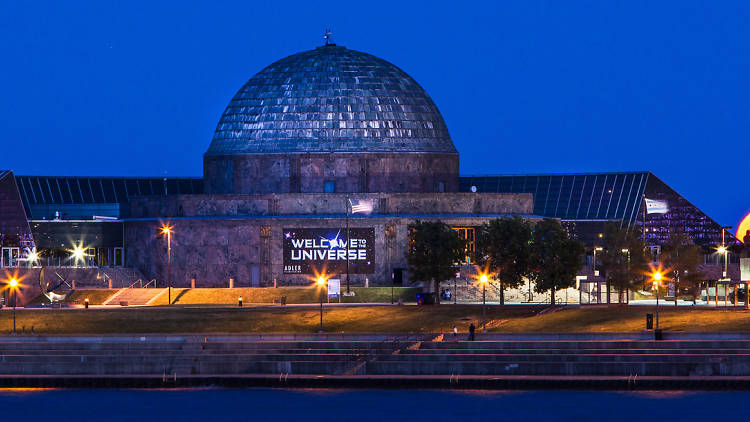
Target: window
329,186
468,234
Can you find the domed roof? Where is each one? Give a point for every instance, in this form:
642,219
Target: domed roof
330,99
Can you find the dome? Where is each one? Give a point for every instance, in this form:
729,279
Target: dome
331,100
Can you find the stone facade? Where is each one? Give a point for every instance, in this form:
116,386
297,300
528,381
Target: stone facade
349,172
218,237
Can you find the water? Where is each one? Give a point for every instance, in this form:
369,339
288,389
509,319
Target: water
211,404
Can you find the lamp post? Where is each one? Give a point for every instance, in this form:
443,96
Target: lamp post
724,251
348,207
13,286
483,280
596,274
596,249
656,280
321,284
627,289
167,230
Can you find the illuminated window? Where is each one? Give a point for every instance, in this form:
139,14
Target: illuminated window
468,234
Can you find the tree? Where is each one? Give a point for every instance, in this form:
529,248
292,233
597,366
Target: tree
557,258
434,252
682,257
506,251
623,258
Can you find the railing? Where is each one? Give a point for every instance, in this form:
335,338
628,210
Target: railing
140,284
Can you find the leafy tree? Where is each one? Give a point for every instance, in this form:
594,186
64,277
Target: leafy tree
623,258
434,251
557,258
506,251
682,257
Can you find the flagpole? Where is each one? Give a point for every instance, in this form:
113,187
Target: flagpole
348,204
643,227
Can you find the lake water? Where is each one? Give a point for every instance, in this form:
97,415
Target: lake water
215,404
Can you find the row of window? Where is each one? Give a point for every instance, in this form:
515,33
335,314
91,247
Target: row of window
602,196
91,257
92,190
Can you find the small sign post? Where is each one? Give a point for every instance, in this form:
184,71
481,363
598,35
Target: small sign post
334,289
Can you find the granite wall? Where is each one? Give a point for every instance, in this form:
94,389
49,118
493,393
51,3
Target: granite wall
351,172
218,237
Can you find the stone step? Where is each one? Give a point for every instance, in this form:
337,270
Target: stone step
565,369
617,344
573,351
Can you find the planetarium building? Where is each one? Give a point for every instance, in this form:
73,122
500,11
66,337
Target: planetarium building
318,164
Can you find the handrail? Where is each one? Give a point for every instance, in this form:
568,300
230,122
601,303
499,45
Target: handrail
134,283
152,281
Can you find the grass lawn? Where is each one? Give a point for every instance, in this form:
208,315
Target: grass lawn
351,319
95,296
224,296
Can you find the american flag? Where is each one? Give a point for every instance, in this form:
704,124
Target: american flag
361,207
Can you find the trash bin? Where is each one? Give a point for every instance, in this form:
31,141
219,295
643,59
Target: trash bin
649,321
658,334
428,299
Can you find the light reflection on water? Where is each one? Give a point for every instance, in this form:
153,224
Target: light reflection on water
219,404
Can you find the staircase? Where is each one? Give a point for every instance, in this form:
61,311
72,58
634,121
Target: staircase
134,296
493,361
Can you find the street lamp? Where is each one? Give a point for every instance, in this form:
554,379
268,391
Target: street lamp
13,286
724,251
32,258
596,248
483,281
656,280
321,284
78,254
167,230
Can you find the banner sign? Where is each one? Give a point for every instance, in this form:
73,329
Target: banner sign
744,269
324,250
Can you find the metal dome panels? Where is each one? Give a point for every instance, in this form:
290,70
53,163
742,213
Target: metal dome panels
331,99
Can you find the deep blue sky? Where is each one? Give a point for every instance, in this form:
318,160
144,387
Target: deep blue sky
136,88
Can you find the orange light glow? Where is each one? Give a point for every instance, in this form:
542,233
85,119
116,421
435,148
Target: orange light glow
743,228
483,278
321,281
12,280
658,275
166,229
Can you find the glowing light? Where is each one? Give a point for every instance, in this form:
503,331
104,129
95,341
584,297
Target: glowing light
13,282
657,276
321,281
166,229
78,253
743,228
721,249
33,256
483,278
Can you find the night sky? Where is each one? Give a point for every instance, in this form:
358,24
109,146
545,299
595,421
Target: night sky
136,88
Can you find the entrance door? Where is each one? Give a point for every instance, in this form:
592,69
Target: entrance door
10,257
255,276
